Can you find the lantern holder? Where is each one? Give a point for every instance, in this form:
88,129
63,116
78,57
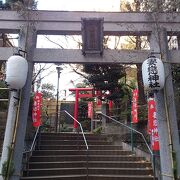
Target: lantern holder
152,54
20,52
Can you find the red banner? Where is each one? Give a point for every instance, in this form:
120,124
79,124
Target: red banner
90,110
110,105
152,125
134,110
36,109
151,111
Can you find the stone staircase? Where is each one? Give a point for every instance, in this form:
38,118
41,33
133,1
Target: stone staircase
63,156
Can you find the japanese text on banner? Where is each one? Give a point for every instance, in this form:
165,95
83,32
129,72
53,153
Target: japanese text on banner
153,125
36,109
134,110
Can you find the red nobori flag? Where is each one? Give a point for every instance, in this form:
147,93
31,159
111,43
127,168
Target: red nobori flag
151,111
36,109
90,110
153,125
134,110
110,105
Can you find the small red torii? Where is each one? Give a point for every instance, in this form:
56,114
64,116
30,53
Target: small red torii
77,96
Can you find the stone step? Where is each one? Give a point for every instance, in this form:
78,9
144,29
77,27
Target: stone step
75,147
107,171
70,142
80,152
57,158
62,156
91,177
67,164
70,137
72,134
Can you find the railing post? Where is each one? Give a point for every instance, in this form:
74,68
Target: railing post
132,138
154,165
87,164
103,110
39,138
78,137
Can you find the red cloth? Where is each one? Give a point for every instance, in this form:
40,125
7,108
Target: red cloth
36,110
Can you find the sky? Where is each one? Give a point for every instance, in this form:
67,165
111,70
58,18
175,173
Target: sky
79,5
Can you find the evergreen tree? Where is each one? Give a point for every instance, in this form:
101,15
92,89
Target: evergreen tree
47,91
109,79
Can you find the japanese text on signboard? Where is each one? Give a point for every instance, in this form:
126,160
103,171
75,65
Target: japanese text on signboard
90,109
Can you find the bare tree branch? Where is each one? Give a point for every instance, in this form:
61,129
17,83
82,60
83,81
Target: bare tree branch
79,73
133,41
54,42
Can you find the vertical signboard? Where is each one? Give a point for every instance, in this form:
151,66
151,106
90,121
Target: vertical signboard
36,109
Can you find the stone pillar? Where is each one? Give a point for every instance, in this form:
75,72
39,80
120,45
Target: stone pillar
159,44
27,43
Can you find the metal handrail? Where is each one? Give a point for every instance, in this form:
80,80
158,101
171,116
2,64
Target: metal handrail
34,141
138,132
85,141
29,152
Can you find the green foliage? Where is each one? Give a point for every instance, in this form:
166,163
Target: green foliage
65,128
161,5
142,113
82,110
46,126
98,130
174,165
151,5
48,91
106,78
8,166
20,4
4,170
86,124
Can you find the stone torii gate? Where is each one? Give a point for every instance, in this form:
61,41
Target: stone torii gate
157,26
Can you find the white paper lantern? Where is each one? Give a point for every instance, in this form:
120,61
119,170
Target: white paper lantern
16,72
153,74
